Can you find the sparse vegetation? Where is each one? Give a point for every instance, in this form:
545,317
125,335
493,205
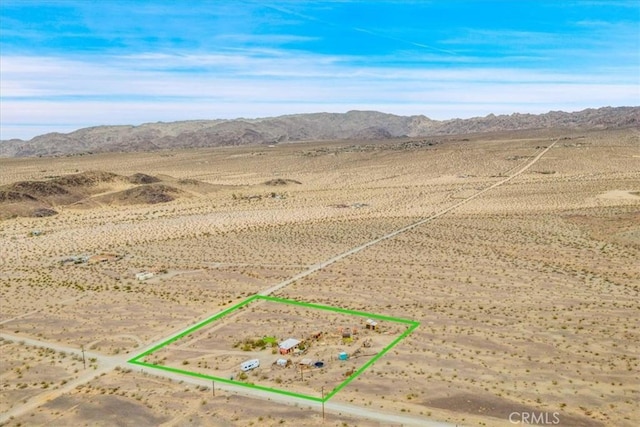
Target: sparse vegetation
508,286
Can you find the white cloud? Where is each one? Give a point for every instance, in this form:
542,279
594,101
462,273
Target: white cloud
72,93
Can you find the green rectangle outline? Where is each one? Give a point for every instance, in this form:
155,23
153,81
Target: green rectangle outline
412,326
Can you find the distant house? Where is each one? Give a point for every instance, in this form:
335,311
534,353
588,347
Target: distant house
76,259
288,345
371,324
144,275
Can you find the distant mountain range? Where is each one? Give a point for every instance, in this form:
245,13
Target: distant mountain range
353,125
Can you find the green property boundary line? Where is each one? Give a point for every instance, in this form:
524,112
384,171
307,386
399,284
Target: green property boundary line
412,325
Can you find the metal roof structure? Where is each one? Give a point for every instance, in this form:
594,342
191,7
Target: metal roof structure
289,343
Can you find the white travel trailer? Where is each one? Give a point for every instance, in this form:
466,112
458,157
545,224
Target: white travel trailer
249,365
144,275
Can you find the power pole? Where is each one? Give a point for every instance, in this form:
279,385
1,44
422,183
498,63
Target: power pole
84,362
322,403
213,388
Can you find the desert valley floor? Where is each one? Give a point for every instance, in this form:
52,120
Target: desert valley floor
526,294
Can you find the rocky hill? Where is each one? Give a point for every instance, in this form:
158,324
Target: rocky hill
354,125
83,190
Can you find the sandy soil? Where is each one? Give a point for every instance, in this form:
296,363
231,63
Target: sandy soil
527,295
124,397
27,371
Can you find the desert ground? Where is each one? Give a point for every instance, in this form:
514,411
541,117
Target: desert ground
526,289
218,349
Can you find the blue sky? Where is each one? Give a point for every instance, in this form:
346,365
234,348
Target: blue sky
71,64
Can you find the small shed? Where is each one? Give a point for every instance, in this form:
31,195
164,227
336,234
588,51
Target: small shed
288,345
282,362
371,324
306,362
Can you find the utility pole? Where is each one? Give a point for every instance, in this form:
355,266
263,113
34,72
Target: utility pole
322,403
84,362
213,388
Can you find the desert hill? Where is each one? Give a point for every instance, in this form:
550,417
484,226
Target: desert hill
93,189
85,189
353,125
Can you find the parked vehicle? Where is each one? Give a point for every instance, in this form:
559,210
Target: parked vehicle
249,365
